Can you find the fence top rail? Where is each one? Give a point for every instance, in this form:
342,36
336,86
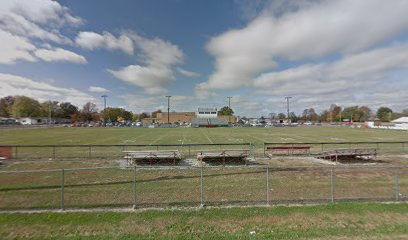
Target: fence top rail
360,142
126,145
272,168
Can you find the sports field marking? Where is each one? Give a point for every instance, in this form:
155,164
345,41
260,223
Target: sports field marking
133,140
205,134
260,139
158,139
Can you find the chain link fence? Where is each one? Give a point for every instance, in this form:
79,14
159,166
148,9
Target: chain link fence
64,152
145,187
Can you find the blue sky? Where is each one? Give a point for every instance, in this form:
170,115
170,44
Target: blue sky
200,52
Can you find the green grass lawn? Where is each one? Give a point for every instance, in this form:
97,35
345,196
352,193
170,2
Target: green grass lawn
166,188
128,136
338,221
195,135
95,188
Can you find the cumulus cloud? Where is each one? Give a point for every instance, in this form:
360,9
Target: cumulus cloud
158,57
92,40
145,103
41,19
96,89
25,24
362,78
309,31
18,85
14,48
59,54
187,73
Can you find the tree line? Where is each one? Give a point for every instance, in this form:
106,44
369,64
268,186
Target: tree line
22,106
338,114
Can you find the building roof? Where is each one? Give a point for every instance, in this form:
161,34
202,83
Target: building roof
401,120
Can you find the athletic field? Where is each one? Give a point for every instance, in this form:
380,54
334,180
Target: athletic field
114,188
256,136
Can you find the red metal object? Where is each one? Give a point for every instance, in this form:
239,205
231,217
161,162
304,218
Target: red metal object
6,152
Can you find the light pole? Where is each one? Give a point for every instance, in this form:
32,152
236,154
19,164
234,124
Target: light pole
287,101
229,106
104,109
168,109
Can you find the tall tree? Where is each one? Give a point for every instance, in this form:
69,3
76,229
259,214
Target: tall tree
225,111
293,118
89,112
127,115
67,110
114,114
334,113
363,113
6,104
49,108
384,114
325,116
281,116
350,113
26,107
143,115
309,115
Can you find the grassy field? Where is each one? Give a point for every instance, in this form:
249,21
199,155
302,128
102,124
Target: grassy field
340,221
256,136
113,188
129,136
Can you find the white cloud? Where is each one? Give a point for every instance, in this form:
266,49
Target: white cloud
25,24
98,89
59,54
186,73
39,19
17,85
310,31
159,57
364,78
92,40
14,48
144,103
151,79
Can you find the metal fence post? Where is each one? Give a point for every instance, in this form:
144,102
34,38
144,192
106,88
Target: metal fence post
397,185
134,187
189,150
62,189
16,152
267,187
332,184
264,150
201,187
53,152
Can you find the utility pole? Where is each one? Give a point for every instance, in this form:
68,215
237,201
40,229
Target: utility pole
287,105
168,109
229,106
104,109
